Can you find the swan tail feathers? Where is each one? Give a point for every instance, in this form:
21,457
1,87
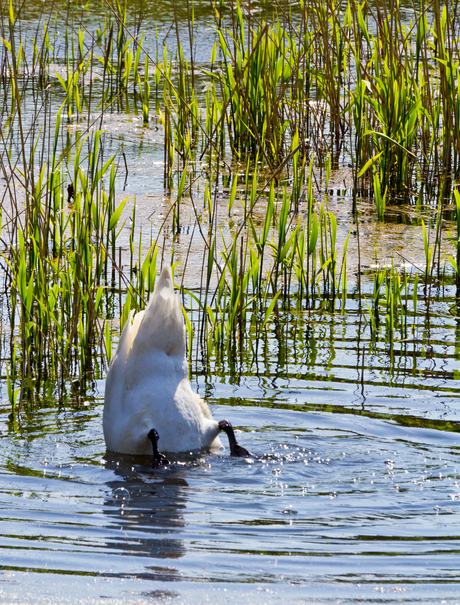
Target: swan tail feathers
162,326
116,374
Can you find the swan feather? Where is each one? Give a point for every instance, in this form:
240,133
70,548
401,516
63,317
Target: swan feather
147,384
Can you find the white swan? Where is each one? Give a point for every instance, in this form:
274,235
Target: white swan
148,395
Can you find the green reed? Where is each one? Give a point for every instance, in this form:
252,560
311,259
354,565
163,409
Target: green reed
286,101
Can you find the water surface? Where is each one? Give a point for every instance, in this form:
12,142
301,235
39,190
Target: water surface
355,498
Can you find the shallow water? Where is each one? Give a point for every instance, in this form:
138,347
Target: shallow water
355,498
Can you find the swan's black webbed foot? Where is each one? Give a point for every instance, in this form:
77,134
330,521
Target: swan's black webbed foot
158,459
235,448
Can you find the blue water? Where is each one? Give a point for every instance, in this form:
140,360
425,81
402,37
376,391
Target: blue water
355,498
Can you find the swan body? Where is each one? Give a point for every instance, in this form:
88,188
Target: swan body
147,385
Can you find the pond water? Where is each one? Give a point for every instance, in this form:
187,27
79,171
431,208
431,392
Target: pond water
355,497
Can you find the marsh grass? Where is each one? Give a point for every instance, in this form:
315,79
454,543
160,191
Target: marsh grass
287,96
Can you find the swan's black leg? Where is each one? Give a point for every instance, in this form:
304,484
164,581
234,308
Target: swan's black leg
158,459
235,448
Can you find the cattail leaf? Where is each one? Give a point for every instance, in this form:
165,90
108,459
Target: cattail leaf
6,43
368,164
231,201
270,308
188,324
313,234
116,215
107,342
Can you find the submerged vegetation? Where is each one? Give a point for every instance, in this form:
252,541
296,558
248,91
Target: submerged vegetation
251,137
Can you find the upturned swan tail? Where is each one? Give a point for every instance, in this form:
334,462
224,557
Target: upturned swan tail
162,321
148,393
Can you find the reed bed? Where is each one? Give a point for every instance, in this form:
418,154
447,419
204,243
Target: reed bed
288,96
